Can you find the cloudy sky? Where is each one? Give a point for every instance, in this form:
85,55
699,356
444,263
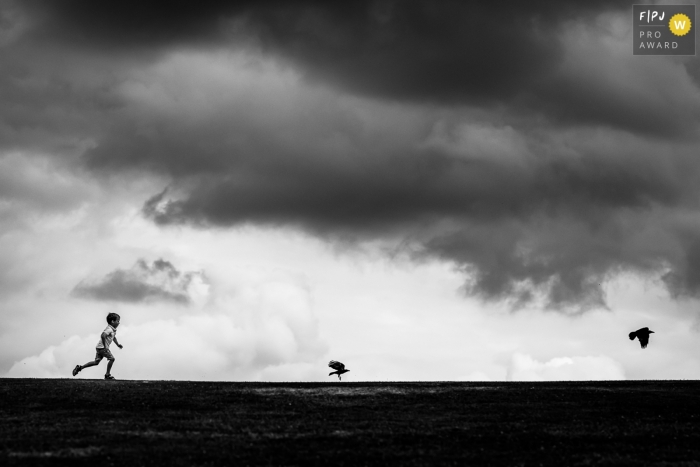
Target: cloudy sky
422,190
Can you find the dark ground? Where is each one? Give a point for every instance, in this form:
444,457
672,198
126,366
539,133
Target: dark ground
165,423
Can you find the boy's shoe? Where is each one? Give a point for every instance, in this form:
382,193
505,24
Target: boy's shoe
109,377
76,370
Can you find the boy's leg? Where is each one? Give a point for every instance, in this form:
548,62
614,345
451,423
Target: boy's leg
89,364
79,368
96,361
110,361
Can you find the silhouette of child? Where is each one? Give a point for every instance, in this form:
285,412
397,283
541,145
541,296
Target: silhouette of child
102,349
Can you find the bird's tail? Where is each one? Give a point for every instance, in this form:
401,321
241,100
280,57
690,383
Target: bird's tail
333,373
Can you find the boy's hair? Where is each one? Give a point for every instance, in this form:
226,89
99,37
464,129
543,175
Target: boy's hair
112,316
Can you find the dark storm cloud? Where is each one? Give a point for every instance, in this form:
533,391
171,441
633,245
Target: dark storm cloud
423,186
559,227
126,24
130,23
516,141
160,281
448,52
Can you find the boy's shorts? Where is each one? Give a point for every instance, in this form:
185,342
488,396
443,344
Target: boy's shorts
103,353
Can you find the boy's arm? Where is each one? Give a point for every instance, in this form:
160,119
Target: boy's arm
117,342
104,340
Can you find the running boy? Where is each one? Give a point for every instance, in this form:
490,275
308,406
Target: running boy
108,335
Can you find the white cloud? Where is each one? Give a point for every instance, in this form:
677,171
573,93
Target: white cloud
525,368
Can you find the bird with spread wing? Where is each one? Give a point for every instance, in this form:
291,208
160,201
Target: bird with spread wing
338,367
642,335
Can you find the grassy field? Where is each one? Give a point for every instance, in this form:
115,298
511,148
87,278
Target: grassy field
126,423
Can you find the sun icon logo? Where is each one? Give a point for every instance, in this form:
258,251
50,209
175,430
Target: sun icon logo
679,24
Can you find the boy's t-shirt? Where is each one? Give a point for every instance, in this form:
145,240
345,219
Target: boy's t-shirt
110,333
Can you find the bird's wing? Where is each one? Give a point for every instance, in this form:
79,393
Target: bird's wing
643,339
336,365
643,331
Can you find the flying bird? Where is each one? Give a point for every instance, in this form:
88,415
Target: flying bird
338,367
642,335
